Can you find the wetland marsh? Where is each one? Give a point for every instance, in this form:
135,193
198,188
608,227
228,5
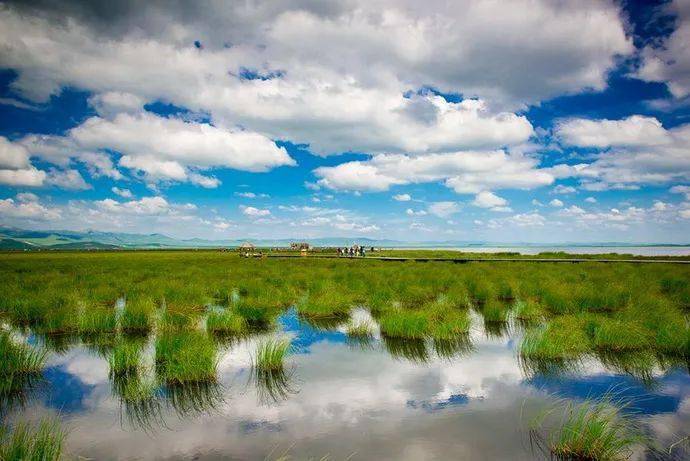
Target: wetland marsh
206,355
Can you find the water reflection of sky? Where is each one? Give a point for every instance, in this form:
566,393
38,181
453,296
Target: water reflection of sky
348,400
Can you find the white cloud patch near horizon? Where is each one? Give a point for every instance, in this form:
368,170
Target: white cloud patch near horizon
633,151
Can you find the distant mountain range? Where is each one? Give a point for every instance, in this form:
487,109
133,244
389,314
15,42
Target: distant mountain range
21,239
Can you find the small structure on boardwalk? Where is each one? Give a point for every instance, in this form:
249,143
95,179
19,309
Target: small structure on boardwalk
247,249
302,246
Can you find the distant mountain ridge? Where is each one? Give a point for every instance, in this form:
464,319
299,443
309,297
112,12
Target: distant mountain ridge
21,239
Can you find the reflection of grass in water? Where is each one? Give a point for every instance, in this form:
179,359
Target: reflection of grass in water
139,400
591,430
496,330
412,349
495,315
193,397
452,348
16,389
101,344
535,366
272,386
638,364
27,442
185,356
59,343
324,322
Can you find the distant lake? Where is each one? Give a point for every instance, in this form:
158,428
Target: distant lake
533,250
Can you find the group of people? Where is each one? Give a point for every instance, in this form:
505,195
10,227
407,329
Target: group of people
353,251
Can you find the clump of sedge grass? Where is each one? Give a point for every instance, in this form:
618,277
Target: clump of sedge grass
450,325
26,442
479,290
187,356
528,311
495,312
61,320
360,330
96,320
590,430
561,338
19,358
178,320
404,324
257,317
125,359
226,322
505,291
137,316
270,354
619,336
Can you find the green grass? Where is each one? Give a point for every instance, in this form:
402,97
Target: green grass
226,323
360,330
495,312
591,430
138,316
619,336
629,307
187,356
562,338
125,359
270,354
20,368
19,358
95,320
528,311
27,442
404,324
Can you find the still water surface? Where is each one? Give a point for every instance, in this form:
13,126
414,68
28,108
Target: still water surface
345,400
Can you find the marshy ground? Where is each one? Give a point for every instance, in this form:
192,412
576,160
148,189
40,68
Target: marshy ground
214,355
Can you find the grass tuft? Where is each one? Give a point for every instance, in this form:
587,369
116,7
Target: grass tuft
125,359
186,356
270,354
591,430
19,358
226,323
360,330
138,316
26,442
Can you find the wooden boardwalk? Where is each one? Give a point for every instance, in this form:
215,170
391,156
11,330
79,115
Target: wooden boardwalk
485,260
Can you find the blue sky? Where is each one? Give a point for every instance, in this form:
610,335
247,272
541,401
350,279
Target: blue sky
526,121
